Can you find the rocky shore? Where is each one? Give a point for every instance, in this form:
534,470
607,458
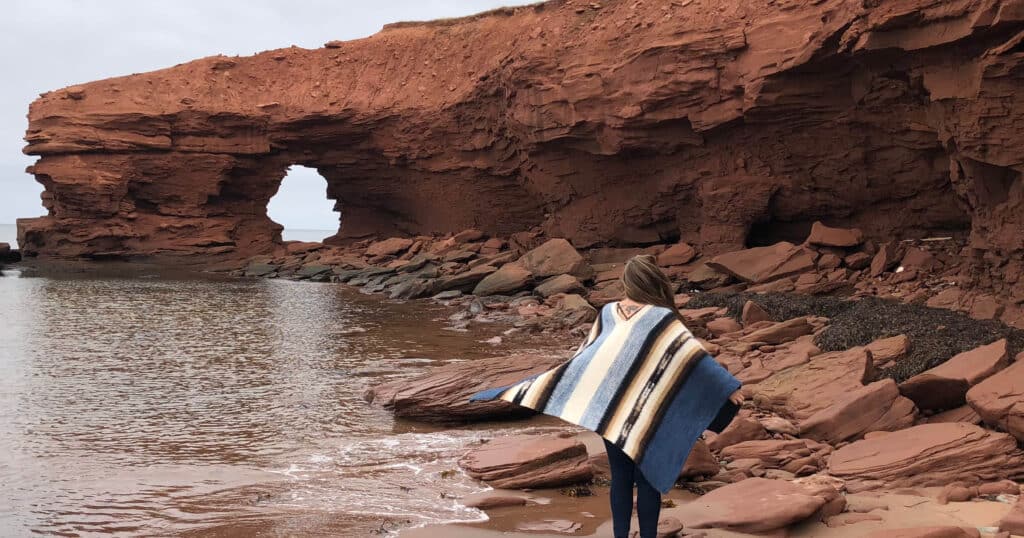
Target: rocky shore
864,376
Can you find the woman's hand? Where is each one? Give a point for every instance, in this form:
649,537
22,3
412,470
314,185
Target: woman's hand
737,397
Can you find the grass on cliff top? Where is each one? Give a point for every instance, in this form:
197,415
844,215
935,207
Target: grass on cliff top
936,334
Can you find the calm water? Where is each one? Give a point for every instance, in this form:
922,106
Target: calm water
158,406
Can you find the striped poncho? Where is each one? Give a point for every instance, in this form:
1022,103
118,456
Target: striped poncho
643,383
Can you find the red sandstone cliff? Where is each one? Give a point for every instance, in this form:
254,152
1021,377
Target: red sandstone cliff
720,123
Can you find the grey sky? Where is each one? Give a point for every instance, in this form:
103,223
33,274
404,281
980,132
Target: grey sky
56,43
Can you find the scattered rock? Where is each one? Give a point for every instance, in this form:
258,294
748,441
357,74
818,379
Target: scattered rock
529,461
1013,522
563,526
489,500
921,260
465,281
928,455
720,326
834,237
779,425
467,236
885,259
999,400
858,260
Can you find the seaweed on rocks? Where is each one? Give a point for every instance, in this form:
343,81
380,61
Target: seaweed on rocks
935,334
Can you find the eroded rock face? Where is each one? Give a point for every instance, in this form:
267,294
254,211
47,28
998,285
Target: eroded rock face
757,110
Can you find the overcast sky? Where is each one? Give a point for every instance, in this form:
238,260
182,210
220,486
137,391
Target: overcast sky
56,43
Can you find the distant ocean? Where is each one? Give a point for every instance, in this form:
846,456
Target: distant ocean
9,234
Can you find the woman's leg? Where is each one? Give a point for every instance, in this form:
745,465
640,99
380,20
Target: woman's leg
648,506
622,468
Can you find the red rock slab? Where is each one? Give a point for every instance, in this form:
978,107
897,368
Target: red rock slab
927,532
442,394
890,349
850,518
801,391
509,278
489,500
936,393
677,254
754,505
874,407
720,326
529,461
976,364
928,455
964,413
780,333
1000,399
739,430
797,456
764,264
834,237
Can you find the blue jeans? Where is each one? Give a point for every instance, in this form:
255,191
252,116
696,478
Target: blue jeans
648,500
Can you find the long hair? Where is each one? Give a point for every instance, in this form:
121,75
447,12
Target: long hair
645,283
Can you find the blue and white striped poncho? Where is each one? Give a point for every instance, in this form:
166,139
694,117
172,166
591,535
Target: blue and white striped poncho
643,383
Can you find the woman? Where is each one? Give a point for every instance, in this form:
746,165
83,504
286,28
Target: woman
642,382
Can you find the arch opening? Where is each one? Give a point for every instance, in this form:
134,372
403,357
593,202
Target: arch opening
301,205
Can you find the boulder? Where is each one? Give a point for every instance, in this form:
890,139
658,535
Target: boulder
700,462
801,391
508,279
706,277
928,455
950,380
780,333
559,284
442,394
889,350
999,400
874,407
753,313
826,236
754,505
555,257
797,456
677,254
529,461
572,309
764,264
389,247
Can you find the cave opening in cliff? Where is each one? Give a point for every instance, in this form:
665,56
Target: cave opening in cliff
301,205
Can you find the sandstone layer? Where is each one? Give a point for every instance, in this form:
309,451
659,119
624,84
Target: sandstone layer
722,124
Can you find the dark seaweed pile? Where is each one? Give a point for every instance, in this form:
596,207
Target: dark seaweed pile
936,334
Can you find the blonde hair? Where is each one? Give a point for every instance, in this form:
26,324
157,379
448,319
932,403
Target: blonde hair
645,283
